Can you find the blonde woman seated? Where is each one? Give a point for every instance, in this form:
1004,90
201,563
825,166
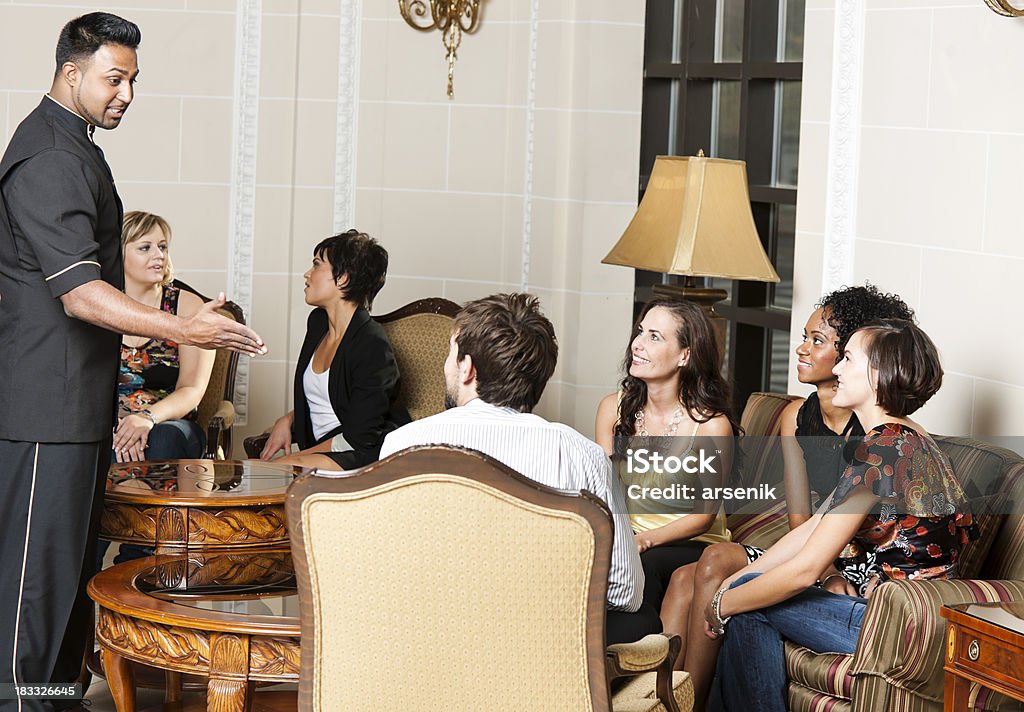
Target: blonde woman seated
899,503
346,379
672,392
161,382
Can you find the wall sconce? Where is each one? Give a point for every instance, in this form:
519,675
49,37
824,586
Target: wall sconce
1003,7
452,17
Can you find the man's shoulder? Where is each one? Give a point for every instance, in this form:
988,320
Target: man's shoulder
37,140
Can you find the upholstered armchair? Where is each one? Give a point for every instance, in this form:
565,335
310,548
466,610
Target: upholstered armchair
419,334
439,579
216,412
898,663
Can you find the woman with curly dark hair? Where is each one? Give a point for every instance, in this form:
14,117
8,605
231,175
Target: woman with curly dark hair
812,466
672,392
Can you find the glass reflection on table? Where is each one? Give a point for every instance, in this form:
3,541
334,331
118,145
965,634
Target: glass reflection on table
201,478
260,583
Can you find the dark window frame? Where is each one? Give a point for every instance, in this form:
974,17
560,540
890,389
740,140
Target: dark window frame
678,117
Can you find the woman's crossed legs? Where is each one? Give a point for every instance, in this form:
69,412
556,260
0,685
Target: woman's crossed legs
682,611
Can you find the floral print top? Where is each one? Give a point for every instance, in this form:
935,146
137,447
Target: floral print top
921,520
149,372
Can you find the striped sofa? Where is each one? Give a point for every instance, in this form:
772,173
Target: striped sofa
899,657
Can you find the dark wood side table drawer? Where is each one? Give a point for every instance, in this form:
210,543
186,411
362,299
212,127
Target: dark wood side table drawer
983,646
986,657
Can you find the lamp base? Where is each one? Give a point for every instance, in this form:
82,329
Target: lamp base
706,298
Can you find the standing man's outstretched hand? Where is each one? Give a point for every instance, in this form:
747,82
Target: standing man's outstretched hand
210,330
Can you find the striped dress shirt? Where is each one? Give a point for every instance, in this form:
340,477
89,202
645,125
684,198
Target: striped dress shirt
549,453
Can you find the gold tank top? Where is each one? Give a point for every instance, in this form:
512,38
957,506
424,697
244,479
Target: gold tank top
646,515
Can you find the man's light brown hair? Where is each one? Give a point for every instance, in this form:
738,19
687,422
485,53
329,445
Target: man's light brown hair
513,347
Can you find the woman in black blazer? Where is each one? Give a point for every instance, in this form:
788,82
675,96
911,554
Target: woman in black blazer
346,379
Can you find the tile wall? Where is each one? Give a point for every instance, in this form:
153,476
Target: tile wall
526,179
941,168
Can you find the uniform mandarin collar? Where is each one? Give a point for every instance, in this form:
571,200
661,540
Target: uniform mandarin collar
67,117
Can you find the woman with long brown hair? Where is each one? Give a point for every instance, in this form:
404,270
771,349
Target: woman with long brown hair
671,395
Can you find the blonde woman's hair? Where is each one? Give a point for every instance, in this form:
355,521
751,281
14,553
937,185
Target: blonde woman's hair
138,223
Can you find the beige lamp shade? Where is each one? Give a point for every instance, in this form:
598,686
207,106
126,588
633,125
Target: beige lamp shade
695,220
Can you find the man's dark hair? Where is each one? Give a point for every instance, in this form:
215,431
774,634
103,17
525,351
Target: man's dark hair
513,347
359,256
909,370
82,36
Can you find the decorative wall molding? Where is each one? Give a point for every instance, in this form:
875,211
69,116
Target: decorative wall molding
844,145
531,113
241,224
347,127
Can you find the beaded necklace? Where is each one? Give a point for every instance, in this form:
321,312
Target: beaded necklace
673,425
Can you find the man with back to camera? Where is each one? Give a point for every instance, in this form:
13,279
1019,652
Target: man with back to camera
61,316
501,354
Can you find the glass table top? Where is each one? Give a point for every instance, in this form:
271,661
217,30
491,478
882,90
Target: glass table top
1004,615
200,478
253,583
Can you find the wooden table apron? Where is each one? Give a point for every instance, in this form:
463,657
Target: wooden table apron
981,652
232,650
177,520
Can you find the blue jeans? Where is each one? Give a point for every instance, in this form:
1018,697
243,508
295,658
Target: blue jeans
175,440
751,669
170,440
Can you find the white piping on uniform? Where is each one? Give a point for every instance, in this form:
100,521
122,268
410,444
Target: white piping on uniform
81,262
24,563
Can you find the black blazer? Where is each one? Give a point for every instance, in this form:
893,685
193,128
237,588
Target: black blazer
362,386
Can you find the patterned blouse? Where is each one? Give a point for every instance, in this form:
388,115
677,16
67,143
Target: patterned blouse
149,372
921,521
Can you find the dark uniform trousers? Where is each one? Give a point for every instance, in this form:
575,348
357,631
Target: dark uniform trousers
47,555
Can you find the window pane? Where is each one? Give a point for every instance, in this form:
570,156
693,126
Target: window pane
726,125
792,40
659,31
729,31
785,230
788,137
778,381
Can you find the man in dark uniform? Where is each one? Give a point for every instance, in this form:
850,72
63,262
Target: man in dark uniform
61,316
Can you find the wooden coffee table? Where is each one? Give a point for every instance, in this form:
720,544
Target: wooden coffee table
229,616
197,504
985,645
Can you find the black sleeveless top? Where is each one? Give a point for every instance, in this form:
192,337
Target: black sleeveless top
823,447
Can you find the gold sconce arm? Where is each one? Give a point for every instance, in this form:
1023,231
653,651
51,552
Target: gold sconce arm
451,17
1003,7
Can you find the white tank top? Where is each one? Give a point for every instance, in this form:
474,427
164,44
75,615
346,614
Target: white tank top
317,396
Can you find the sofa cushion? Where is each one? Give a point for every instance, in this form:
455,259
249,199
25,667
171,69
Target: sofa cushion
802,699
1006,558
759,527
827,673
762,453
992,477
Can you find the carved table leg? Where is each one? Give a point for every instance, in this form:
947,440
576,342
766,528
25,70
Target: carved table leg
229,689
121,679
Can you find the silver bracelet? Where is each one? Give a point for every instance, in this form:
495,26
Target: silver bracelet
830,576
716,609
148,413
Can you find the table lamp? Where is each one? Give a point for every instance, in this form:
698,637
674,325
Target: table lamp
695,220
